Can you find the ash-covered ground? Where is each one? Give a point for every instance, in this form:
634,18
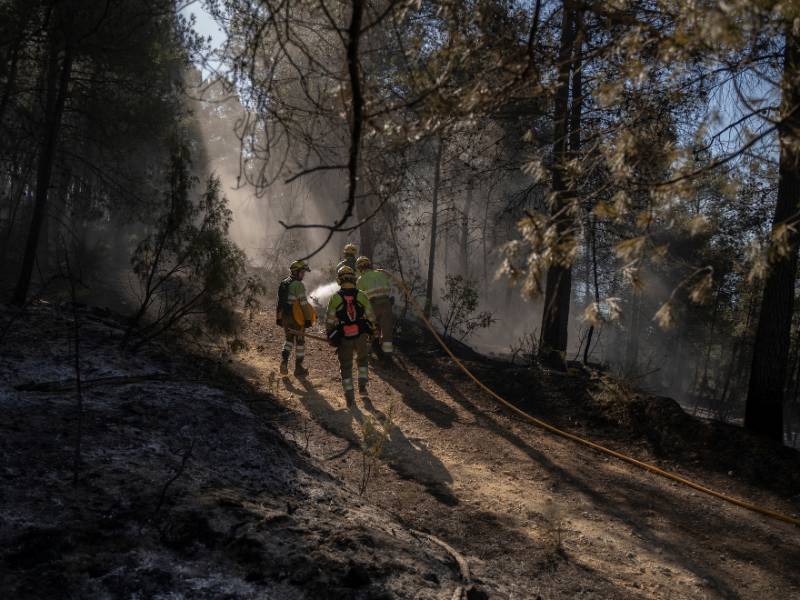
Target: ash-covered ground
185,487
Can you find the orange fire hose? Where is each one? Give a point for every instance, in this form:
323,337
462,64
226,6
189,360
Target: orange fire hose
584,442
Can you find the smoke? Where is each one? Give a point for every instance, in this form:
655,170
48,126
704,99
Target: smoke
257,214
321,295
472,226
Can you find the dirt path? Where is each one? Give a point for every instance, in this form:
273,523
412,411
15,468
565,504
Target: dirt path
535,516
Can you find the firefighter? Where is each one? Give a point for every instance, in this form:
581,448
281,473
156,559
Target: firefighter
376,285
348,324
292,292
349,257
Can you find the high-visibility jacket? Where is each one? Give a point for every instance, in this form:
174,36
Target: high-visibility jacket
335,304
375,284
296,295
347,261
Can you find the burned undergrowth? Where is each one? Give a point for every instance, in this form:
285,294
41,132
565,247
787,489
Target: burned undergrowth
184,486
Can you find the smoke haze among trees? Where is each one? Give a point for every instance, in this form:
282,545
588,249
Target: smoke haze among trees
618,182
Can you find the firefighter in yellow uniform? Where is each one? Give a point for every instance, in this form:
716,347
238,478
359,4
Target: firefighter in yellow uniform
378,288
348,324
348,258
292,292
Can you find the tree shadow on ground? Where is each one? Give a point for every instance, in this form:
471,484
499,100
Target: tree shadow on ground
409,460
625,499
337,421
414,396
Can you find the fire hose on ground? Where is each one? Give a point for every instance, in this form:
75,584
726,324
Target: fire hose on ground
564,434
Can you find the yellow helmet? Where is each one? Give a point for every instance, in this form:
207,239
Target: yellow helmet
298,265
362,261
344,274
350,250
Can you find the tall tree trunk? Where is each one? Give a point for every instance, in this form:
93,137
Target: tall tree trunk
58,79
736,352
509,298
49,232
764,407
445,235
593,243
17,54
558,285
465,229
11,80
437,174
364,208
704,386
794,358
632,347
576,107
484,236
794,384
729,373
575,114
19,181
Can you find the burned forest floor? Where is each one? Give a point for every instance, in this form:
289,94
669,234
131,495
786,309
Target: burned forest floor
186,488
537,516
221,479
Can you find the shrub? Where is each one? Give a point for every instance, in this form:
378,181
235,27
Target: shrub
374,435
191,277
459,319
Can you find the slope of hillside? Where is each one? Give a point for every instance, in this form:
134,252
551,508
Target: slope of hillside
537,516
202,481
185,490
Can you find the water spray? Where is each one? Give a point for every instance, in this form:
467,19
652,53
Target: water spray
321,295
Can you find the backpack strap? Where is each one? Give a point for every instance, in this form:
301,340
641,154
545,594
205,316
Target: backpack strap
350,315
283,295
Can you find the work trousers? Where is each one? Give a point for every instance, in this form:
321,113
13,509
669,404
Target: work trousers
345,351
385,322
293,341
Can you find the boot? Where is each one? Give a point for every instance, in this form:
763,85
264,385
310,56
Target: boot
350,398
299,369
362,387
284,369
387,349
